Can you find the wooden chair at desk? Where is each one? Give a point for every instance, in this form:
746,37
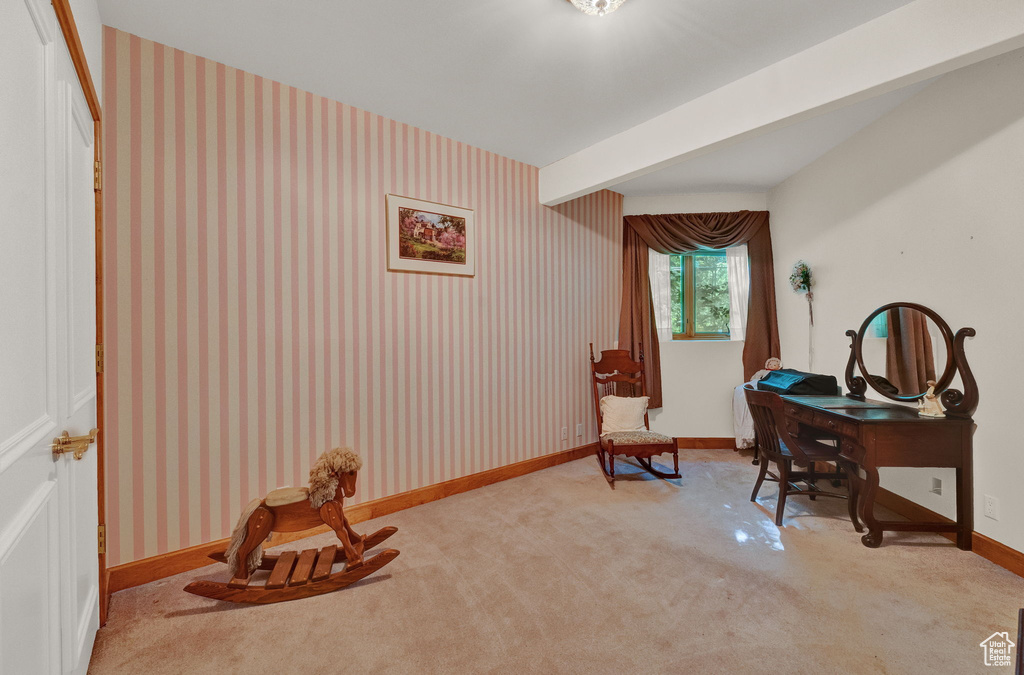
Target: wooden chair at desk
777,445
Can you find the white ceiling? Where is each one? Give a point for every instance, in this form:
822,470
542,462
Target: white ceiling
534,80
761,163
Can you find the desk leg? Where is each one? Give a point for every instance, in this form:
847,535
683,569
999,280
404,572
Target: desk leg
965,506
849,472
965,492
869,487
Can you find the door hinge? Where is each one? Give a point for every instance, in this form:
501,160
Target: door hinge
101,539
97,176
99,359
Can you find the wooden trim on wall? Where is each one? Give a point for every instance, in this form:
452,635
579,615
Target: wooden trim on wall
70,31
706,443
168,564
986,547
68,28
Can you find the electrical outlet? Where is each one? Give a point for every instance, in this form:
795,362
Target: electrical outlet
579,429
565,433
991,507
937,486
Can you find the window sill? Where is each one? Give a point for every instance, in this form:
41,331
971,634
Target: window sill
674,341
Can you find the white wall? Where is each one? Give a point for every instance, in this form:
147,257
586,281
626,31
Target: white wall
697,380
924,205
697,376
695,203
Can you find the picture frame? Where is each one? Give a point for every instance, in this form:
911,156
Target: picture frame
429,237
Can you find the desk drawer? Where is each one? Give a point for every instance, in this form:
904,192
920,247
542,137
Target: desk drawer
798,413
833,424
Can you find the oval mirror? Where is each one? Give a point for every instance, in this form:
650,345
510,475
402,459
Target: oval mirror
901,347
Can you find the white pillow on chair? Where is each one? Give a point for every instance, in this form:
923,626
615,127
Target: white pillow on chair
621,413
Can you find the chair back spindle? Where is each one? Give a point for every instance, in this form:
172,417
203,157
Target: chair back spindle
769,424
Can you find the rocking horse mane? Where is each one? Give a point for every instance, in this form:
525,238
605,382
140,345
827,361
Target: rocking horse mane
323,477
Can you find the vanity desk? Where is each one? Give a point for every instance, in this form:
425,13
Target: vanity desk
875,434
909,343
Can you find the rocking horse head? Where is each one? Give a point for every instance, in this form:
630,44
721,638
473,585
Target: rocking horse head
334,471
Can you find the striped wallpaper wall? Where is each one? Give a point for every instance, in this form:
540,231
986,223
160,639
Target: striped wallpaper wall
252,323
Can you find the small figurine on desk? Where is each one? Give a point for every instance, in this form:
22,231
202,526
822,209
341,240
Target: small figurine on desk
929,405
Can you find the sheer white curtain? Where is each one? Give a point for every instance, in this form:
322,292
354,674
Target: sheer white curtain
661,293
739,290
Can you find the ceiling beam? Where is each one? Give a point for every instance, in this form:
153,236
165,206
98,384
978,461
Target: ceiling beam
919,41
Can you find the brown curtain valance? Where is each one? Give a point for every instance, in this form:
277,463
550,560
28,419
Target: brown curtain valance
680,233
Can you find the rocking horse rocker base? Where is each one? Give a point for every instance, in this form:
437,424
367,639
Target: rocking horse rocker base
298,575
295,575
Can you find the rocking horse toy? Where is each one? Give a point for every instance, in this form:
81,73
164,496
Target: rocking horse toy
299,575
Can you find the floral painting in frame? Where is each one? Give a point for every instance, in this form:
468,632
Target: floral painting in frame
429,237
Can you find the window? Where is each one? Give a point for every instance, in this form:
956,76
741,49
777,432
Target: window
701,295
699,287
879,327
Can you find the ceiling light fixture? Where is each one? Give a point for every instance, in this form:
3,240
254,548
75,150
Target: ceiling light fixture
597,7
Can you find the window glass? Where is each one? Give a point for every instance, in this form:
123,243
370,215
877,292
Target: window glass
711,293
879,326
699,283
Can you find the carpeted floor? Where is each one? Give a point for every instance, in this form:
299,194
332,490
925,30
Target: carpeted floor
555,573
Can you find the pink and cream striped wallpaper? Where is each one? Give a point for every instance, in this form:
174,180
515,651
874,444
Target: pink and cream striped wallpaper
252,323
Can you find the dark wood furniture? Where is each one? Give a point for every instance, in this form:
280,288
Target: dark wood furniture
873,435
960,404
1019,661
298,575
778,445
1018,668
616,374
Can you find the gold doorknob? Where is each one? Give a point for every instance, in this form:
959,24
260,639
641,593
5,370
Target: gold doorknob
75,444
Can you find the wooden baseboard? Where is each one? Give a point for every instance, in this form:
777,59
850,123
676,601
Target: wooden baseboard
174,562
707,443
986,547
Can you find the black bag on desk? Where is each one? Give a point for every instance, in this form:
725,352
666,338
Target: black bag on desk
794,382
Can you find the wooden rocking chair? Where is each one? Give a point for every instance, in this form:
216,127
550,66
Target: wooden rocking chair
616,374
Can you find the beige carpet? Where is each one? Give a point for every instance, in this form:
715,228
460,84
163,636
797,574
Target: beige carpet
555,573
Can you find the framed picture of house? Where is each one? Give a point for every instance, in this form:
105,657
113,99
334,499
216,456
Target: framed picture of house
428,237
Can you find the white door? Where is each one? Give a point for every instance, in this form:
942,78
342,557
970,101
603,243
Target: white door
49,591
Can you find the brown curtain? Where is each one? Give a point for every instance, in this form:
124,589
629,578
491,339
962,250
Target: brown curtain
909,362
680,233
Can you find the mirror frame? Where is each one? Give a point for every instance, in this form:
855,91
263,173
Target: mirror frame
957,403
941,382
